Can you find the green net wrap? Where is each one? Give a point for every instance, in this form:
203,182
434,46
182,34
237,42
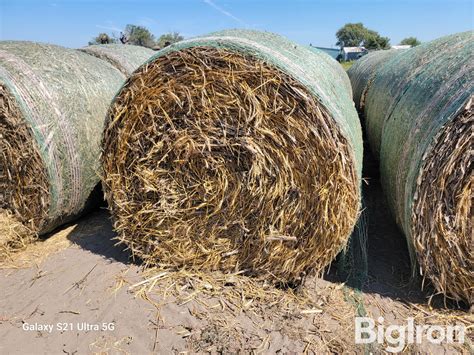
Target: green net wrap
362,72
419,119
331,62
125,58
62,96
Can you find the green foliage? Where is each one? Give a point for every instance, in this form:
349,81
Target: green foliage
351,35
102,38
139,36
347,65
375,41
169,38
356,34
412,41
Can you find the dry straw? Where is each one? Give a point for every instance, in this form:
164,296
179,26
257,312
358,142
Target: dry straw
53,102
419,119
13,235
236,151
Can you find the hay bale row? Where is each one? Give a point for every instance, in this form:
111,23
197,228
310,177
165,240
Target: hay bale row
419,119
53,103
239,150
362,73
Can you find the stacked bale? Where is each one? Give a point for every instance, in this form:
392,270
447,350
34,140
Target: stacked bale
53,103
419,117
239,150
125,58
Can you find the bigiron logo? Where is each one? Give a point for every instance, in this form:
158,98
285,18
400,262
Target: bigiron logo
368,331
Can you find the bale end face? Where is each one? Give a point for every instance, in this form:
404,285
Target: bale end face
23,179
442,210
215,160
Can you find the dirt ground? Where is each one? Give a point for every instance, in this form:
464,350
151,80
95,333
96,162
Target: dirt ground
97,300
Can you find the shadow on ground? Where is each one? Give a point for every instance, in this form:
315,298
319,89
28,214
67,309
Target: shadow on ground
381,263
94,233
384,261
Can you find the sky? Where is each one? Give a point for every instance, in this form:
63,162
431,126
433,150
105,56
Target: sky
72,23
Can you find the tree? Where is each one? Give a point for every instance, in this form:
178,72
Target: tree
351,35
411,41
356,34
139,36
376,42
102,38
169,38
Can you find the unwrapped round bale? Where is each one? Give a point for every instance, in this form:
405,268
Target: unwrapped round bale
125,58
419,116
240,151
53,103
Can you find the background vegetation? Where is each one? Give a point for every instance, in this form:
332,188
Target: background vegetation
139,36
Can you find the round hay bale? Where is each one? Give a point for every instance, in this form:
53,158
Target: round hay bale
361,74
239,150
419,115
53,102
125,58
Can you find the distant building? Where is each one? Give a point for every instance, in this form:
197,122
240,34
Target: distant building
401,46
352,53
333,52
347,54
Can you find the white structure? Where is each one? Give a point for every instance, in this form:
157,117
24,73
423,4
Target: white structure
353,53
401,46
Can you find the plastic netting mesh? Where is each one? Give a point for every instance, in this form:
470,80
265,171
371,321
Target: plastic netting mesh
362,72
125,58
419,117
58,98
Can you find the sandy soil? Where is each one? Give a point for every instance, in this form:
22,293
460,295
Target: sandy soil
99,301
